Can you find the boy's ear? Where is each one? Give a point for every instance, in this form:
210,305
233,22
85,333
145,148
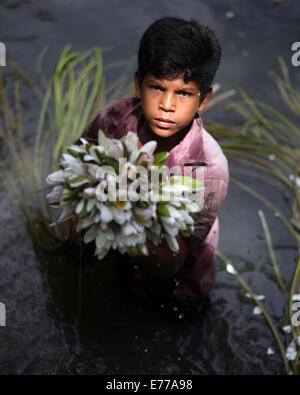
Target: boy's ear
202,105
137,84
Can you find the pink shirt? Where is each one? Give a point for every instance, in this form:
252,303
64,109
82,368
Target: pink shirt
198,148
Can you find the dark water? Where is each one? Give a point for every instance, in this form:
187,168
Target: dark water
114,334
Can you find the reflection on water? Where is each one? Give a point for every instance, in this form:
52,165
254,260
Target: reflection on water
63,321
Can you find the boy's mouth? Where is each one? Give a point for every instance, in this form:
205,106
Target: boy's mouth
163,123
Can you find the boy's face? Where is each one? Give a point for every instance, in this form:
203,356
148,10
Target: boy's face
169,105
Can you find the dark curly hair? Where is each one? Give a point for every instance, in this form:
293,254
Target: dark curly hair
173,46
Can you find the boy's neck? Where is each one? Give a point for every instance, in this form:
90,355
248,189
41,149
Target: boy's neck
146,134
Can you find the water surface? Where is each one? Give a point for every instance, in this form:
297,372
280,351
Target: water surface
45,334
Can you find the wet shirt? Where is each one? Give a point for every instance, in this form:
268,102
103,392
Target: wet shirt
197,155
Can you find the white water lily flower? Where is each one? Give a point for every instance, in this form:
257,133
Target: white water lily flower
89,192
73,164
104,239
106,214
91,234
55,195
91,203
148,148
130,141
95,152
119,147
85,223
79,206
171,230
90,186
172,242
56,177
128,229
121,215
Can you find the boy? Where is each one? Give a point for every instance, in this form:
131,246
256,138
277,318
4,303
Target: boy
177,62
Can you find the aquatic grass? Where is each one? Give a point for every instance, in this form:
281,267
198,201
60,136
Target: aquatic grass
271,251
268,143
260,306
69,100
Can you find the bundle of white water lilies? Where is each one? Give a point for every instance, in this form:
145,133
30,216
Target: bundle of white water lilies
123,196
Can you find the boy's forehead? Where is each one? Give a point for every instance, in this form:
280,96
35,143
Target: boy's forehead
178,80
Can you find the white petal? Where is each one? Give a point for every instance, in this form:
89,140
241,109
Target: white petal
170,229
130,141
230,269
90,205
79,206
55,194
101,240
88,157
56,177
83,140
257,310
172,242
296,298
128,229
91,234
270,351
106,214
85,223
149,147
287,329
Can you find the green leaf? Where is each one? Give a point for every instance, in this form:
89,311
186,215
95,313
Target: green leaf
160,157
73,152
112,163
79,179
68,195
139,218
163,210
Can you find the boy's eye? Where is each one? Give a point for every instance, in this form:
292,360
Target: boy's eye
184,93
156,88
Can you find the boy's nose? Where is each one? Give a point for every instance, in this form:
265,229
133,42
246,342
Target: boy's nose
167,103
